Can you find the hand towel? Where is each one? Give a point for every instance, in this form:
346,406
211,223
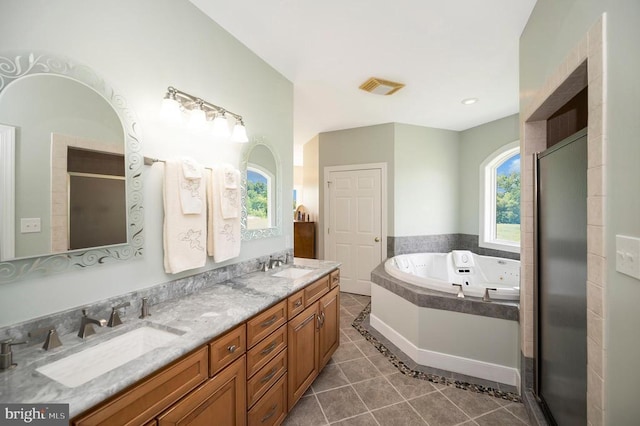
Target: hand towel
191,187
224,238
230,192
185,235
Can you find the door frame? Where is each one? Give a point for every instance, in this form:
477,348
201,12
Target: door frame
383,201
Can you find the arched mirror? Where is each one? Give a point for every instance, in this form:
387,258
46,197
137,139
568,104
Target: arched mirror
261,181
70,170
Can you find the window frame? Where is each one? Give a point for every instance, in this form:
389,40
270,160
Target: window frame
487,205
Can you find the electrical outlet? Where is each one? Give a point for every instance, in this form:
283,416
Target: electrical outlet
628,255
29,225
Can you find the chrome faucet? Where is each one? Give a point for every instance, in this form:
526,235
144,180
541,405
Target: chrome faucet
86,325
51,341
6,355
114,319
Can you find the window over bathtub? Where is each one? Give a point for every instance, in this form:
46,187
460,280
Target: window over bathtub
500,199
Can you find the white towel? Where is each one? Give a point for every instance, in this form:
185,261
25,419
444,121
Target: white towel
223,242
230,192
185,235
191,187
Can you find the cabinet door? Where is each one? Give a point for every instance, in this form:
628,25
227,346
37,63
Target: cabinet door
220,401
302,352
329,332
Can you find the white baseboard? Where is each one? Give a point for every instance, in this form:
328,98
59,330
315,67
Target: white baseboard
457,364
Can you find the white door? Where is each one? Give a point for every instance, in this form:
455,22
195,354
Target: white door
353,231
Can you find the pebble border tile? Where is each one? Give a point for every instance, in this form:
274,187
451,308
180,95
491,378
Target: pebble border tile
404,369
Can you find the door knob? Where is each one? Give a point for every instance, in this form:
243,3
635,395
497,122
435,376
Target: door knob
377,239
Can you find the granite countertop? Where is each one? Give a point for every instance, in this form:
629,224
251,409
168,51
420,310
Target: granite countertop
198,318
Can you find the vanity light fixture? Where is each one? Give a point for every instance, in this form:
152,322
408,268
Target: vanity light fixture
201,112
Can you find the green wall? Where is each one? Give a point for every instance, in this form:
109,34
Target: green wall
476,144
140,48
554,28
425,180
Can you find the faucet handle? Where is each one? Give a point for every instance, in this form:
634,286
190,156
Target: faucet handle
114,319
51,341
145,308
486,297
460,292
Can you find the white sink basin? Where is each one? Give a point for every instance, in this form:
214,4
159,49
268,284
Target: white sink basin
81,367
293,273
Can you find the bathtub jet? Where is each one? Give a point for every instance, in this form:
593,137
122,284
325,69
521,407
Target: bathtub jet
459,269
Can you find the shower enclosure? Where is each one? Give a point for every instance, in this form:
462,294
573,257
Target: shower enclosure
561,323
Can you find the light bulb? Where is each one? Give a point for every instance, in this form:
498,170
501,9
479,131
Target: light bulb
239,133
198,120
170,110
220,127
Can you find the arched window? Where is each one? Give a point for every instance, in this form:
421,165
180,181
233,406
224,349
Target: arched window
500,199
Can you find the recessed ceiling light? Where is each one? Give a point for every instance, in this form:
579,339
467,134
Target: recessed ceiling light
380,86
470,101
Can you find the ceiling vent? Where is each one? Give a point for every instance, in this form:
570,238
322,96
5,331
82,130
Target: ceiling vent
380,86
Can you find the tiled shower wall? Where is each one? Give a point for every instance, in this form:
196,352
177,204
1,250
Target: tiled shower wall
442,243
584,65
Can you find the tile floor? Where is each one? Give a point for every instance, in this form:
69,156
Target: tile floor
360,386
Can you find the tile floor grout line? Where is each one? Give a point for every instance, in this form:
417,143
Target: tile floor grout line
326,419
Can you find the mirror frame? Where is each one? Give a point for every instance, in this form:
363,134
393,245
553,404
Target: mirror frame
16,66
255,234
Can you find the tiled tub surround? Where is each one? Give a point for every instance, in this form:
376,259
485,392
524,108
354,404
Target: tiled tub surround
443,243
200,316
466,336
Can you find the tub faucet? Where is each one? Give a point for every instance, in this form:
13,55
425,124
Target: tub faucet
86,325
460,292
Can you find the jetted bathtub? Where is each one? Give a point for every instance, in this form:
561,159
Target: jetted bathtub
439,271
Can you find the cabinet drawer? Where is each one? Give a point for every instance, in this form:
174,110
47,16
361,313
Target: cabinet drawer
264,351
267,376
146,400
226,349
265,323
335,278
295,304
315,291
272,408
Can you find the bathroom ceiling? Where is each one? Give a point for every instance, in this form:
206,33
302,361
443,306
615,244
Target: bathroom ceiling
443,51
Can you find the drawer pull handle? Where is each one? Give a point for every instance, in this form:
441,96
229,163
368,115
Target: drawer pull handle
298,303
232,348
336,278
270,413
319,322
270,321
268,377
269,348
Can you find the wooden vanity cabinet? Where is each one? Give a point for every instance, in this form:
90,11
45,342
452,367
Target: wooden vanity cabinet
220,401
253,374
145,400
314,335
